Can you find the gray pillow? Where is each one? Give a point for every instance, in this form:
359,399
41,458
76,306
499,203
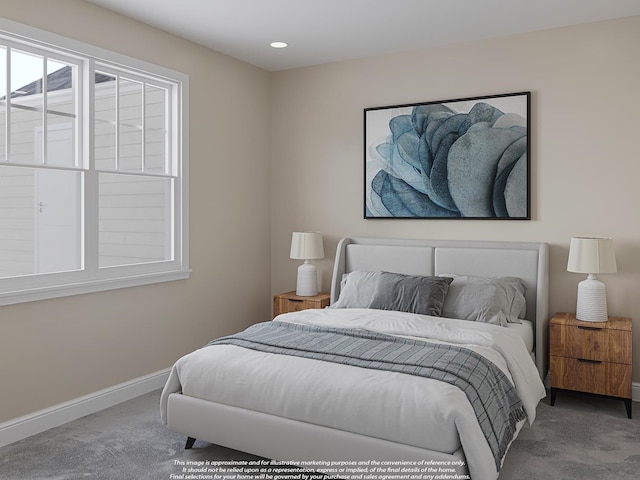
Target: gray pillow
393,291
483,299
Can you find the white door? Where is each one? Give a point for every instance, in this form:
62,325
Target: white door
58,204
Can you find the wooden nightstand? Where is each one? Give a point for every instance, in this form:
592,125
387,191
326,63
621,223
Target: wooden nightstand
290,302
592,357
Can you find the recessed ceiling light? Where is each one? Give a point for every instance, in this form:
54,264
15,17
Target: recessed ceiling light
278,44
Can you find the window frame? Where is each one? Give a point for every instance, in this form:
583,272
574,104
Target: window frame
91,277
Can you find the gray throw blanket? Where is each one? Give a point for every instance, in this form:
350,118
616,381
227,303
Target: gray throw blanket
493,398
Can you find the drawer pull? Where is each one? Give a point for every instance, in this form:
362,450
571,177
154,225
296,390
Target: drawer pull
586,360
589,328
295,300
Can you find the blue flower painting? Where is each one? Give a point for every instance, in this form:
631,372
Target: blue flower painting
465,158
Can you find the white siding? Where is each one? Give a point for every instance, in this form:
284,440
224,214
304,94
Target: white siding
17,231
135,211
133,219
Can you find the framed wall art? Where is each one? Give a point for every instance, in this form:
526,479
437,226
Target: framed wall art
465,158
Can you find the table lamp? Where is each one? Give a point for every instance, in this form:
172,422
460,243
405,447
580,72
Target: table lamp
307,246
591,255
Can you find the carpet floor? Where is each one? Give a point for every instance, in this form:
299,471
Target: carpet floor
581,437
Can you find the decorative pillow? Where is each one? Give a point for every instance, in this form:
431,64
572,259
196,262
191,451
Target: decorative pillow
484,299
393,291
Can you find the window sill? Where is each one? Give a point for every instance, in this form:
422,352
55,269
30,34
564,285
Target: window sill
57,291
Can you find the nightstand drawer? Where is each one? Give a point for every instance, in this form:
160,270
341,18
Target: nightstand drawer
290,302
591,343
579,342
291,305
583,375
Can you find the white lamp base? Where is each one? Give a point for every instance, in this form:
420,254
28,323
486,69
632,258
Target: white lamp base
307,285
592,300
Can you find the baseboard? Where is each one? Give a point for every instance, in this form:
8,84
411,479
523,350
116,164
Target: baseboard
51,417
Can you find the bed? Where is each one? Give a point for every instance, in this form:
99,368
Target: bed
307,409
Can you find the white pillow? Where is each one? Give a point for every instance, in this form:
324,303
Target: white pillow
356,289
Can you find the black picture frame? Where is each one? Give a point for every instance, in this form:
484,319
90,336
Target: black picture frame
464,158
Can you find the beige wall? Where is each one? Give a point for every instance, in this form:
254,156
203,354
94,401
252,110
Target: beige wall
585,157
56,350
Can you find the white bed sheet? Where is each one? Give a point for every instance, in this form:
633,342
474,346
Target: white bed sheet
525,331
407,409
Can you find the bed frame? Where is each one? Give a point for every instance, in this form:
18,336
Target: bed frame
254,432
526,260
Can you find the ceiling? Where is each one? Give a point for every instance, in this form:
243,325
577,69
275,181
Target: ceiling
322,31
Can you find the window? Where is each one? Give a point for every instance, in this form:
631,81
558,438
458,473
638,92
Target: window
93,173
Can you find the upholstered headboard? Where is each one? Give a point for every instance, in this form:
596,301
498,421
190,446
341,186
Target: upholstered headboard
526,260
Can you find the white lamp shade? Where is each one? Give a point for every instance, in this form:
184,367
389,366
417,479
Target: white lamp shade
306,245
591,255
